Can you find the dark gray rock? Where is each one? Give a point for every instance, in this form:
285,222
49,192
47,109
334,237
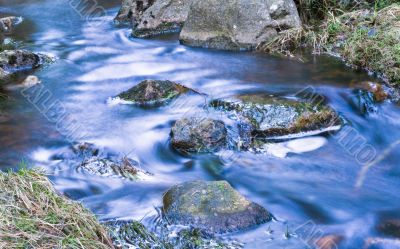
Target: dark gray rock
12,61
132,10
153,92
213,206
164,16
276,118
389,227
198,135
237,24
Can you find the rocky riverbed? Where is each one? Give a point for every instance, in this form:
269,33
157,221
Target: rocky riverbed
162,119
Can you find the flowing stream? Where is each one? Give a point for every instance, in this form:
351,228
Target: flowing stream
308,183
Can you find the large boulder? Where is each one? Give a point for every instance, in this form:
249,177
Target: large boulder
277,118
237,24
153,92
132,10
198,135
214,206
164,16
18,60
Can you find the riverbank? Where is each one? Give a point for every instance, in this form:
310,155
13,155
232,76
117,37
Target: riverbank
365,35
35,216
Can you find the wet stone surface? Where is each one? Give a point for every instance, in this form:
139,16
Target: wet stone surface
274,118
154,92
214,206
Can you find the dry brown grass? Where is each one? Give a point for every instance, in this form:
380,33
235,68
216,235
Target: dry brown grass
33,215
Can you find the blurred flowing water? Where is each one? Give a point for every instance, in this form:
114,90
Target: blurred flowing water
305,183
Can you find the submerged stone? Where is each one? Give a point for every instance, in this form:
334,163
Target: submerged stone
237,24
126,168
198,135
213,206
164,16
275,118
85,149
133,234
153,92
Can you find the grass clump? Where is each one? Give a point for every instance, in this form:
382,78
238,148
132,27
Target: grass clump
33,215
367,37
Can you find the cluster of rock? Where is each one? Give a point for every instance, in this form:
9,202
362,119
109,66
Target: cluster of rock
229,25
204,208
133,234
258,117
102,162
14,60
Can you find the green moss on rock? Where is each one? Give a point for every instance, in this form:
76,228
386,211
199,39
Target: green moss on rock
214,206
271,117
153,92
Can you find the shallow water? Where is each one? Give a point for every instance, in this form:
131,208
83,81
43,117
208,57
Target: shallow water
308,184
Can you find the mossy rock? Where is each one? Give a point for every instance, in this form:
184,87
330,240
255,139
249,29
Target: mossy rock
153,92
198,135
214,206
272,117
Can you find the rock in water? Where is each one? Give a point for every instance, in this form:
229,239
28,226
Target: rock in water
198,135
277,118
132,10
8,23
133,234
237,24
18,60
214,206
164,16
126,168
153,92
367,95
